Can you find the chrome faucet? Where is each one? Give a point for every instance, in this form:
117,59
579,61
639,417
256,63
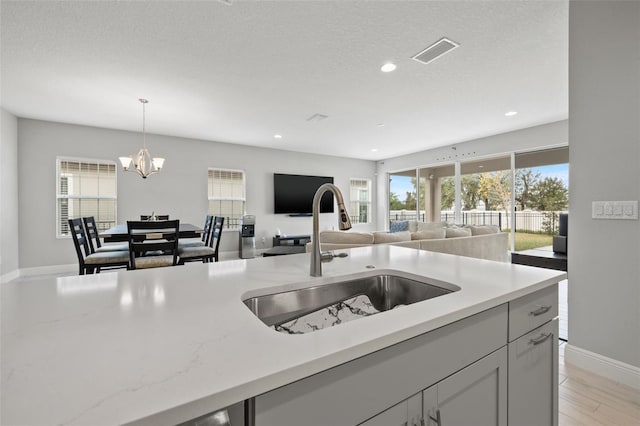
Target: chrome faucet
344,223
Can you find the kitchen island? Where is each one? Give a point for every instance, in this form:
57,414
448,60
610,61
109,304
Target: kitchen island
168,345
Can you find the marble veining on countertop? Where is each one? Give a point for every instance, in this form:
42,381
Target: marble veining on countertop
166,345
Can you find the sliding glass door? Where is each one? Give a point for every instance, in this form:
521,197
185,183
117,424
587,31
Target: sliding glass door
542,194
485,192
403,193
437,193
524,192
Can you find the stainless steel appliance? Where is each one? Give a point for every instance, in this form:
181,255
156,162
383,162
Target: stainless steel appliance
248,237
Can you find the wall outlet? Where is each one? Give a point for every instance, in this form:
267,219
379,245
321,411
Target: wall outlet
614,210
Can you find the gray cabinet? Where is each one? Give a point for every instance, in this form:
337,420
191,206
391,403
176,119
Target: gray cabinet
475,395
460,373
533,377
358,390
406,413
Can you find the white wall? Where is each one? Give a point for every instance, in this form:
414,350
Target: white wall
9,241
604,150
532,138
180,190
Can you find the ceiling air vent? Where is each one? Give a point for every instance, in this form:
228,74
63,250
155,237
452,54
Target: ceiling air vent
436,50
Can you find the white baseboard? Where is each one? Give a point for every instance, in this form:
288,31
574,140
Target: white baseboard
49,270
9,276
610,368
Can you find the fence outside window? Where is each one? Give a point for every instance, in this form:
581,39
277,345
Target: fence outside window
546,222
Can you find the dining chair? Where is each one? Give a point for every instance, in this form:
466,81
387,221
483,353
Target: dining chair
93,236
157,217
94,262
153,244
216,234
208,252
203,240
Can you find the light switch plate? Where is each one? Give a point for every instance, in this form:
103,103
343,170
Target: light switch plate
614,210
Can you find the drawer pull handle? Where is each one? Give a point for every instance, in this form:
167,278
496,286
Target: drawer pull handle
541,310
541,339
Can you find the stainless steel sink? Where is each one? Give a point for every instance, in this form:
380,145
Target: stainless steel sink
384,292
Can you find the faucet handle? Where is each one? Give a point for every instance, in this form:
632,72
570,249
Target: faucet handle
327,256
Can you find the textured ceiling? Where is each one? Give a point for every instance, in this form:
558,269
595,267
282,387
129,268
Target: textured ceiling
242,73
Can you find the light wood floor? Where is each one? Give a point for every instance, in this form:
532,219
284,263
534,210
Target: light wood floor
587,399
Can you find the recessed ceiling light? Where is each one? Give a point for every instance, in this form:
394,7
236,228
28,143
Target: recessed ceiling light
277,136
380,124
388,67
511,113
374,150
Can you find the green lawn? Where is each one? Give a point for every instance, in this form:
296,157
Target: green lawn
526,241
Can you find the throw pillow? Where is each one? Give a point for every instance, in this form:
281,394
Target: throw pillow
484,229
388,237
399,225
458,232
425,226
429,234
338,237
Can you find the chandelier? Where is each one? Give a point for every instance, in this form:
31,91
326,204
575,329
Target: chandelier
143,163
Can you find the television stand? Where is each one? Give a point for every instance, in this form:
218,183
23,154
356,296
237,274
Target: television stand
291,240
293,244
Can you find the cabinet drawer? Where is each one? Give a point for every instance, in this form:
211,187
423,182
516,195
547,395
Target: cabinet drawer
531,311
533,377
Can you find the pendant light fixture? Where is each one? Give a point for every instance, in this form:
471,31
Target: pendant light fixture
143,163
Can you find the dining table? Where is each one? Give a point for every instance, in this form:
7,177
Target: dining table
119,233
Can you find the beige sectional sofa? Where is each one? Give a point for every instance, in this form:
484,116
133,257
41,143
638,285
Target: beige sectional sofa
483,242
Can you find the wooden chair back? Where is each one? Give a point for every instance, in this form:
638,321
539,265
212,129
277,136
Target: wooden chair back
206,233
92,233
153,238
79,241
216,234
158,217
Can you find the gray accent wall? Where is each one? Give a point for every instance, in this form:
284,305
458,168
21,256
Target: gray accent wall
604,155
9,241
180,190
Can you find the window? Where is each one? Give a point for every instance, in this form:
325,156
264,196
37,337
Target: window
227,195
85,188
360,211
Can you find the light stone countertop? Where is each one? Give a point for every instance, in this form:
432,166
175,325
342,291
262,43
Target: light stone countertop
166,345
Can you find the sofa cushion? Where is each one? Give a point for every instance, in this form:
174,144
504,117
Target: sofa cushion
413,226
399,225
483,229
429,234
339,237
455,232
490,247
391,237
425,226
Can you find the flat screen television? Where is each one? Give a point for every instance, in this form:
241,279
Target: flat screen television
293,194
